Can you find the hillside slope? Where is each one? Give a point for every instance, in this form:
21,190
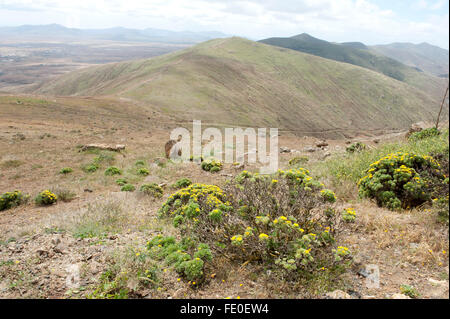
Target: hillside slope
357,54
424,56
240,82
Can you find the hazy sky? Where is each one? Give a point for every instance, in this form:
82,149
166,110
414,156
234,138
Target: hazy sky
368,21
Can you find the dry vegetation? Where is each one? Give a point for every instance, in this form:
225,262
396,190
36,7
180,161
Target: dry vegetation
102,232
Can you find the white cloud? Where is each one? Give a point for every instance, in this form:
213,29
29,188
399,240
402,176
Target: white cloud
343,20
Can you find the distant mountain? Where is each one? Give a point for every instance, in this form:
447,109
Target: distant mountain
358,54
356,45
59,32
424,56
239,82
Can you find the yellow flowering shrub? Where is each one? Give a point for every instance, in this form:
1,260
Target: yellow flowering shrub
396,181
46,197
10,199
212,165
280,219
349,215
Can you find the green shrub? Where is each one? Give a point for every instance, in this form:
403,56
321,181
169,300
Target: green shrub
90,168
212,165
11,199
128,188
181,183
299,160
281,220
140,163
395,180
143,171
104,157
121,181
152,189
423,134
349,215
112,170
185,257
46,198
409,291
66,170
356,147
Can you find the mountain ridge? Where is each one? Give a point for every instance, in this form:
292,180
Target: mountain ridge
366,58
247,83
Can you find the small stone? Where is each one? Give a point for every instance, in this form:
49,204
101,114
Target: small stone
338,294
284,150
309,149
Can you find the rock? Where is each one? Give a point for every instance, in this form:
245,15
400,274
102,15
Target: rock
363,272
309,149
338,294
376,140
322,143
60,249
284,149
106,147
400,296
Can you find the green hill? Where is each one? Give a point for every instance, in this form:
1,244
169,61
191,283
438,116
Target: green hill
357,54
240,82
424,56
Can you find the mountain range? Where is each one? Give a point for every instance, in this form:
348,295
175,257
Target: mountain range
58,32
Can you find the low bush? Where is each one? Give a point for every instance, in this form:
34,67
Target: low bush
181,183
298,160
212,165
45,198
283,220
397,180
121,181
349,215
128,188
143,171
66,170
423,134
356,147
11,199
90,168
187,259
152,189
112,170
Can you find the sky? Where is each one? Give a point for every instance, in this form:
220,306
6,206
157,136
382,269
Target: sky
368,21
